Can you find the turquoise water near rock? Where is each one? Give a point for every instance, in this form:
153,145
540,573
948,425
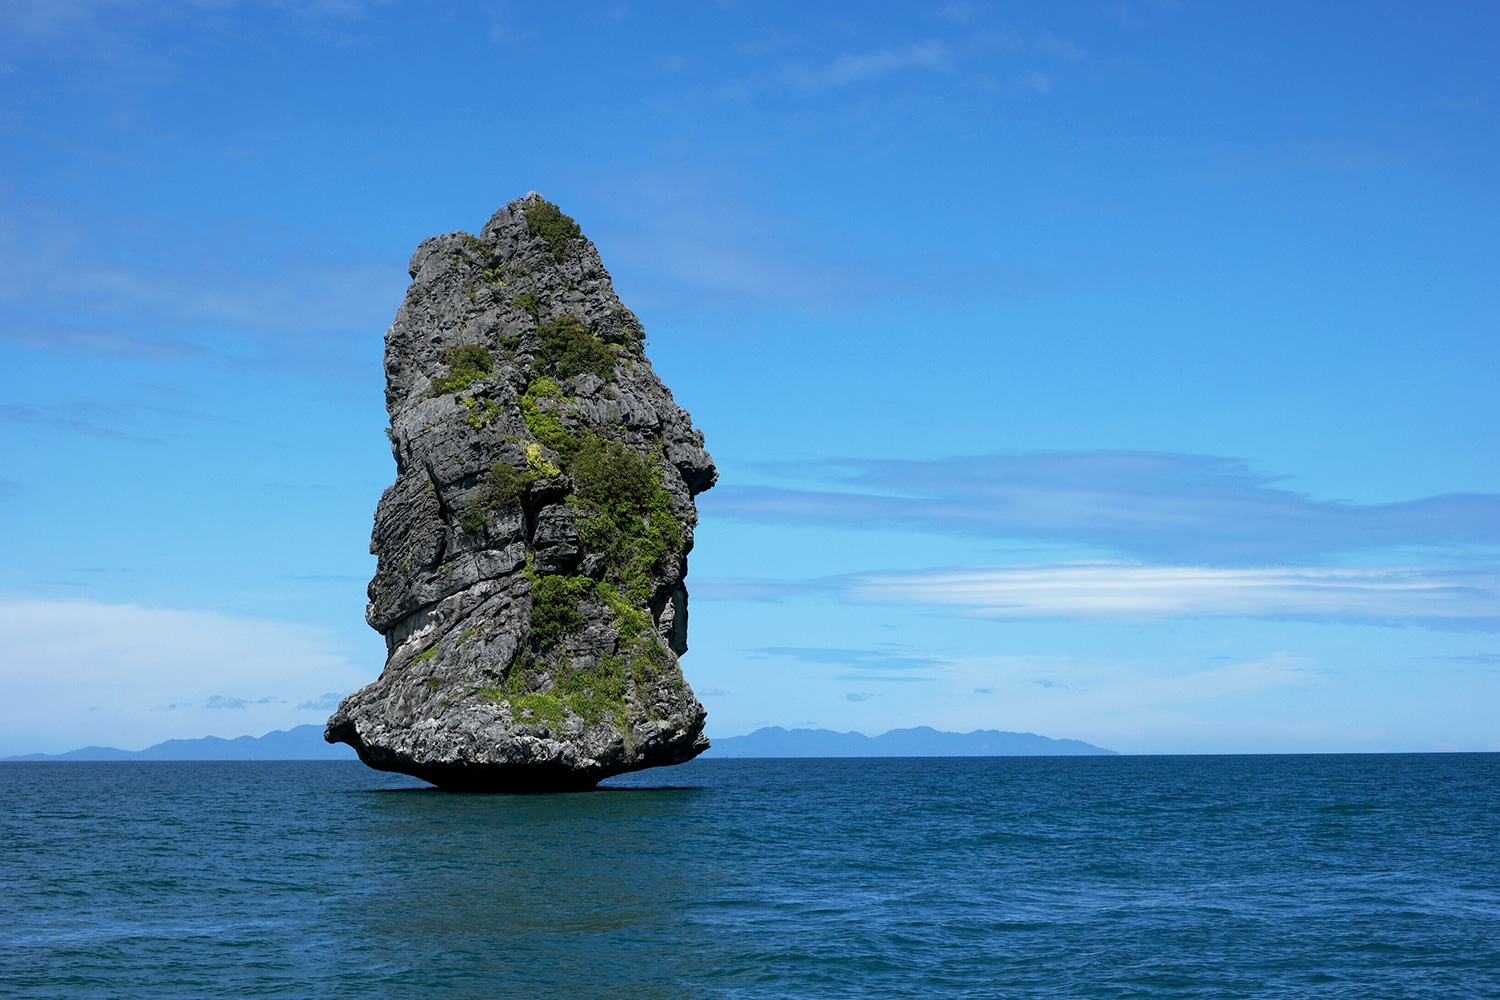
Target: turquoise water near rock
1297,876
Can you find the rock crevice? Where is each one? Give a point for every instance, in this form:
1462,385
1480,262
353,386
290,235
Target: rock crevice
533,550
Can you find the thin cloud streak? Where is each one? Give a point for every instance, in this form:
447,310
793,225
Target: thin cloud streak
1453,599
56,417
864,659
851,67
1160,507
681,239
172,293
117,34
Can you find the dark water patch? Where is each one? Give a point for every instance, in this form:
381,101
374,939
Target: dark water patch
1359,876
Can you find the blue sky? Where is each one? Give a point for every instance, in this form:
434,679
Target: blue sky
1123,372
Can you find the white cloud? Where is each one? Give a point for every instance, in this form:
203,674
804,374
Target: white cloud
1119,591
80,673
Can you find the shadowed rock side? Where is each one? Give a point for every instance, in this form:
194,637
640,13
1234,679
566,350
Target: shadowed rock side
533,548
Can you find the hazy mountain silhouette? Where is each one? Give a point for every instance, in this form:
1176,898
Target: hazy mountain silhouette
298,743
923,741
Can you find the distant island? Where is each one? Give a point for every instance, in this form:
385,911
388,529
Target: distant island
923,741
306,743
297,743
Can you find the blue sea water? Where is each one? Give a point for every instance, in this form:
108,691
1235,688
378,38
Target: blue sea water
1285,877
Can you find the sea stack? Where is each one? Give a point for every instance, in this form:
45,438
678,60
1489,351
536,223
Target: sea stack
533,549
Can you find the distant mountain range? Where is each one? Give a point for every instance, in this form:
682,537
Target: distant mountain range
923,741
299,743
306,743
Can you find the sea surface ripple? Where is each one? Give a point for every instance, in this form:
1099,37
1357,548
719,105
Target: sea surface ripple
1279,876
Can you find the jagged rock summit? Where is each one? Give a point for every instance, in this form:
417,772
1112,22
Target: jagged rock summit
533,548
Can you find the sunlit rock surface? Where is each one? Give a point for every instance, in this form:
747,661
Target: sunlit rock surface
533,549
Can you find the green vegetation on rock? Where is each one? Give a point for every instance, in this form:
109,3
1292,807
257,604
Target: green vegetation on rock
507,487
554,608
545,424
481,411
465,364
630,622
623,512
621,508
529,303
594,693
567,348
597,693
546,220
621,326
474,519
546,708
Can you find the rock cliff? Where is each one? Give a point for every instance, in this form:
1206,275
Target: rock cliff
533,548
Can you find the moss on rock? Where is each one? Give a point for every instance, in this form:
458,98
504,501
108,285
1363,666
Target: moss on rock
465,364
546,220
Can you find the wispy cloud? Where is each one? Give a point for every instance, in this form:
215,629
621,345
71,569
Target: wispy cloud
109,420
1145,505
220,701
713,588
117,33
1435,597
1475,659
61,418
326,703
850,68
1038,82
871,659
1058,48
961,13
685,236
1443,598
860,664
164,294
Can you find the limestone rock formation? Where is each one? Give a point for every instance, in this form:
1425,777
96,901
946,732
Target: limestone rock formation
533,548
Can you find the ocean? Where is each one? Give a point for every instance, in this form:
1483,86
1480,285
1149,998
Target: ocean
1269,876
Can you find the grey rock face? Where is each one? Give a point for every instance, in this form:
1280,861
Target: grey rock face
533,548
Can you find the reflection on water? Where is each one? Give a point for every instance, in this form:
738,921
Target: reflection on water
545,893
